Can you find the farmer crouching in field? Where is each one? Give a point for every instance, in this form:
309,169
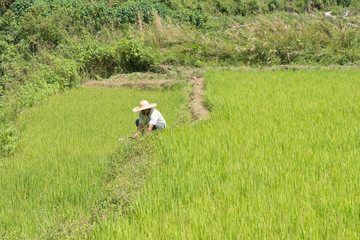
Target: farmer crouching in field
149,117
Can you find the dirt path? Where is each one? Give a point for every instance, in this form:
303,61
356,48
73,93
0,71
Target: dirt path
140,84
197,99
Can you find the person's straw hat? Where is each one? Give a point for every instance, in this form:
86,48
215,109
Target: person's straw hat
144,105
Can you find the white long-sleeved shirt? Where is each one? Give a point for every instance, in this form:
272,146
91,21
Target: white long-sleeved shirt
153,118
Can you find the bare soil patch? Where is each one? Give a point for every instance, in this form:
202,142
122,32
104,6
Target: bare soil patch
141,80
140,83
197,100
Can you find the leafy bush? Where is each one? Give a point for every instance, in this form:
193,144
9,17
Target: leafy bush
133,57
227,6
20,7
8,139
237,7
241,8
197,18
253,6
69,70
59,72
162,10
88,14
129,12
40,29
97,58
5,5
94,13
273,5
125,55
344,3
34,92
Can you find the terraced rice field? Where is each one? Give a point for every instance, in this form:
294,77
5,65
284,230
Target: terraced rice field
53,185
277,159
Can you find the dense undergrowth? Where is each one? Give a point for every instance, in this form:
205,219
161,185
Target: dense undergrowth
47,47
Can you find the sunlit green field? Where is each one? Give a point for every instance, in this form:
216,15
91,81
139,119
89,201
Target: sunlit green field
279,158
51,187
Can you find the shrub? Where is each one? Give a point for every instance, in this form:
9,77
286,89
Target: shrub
8,139
88,14
97,58
68,69
129,11
60,72
10,27
273,5
197,17
34,92
20,7
39,29
241,8
162,9
133,57
227,6
125,55
5,5
344,3
253,7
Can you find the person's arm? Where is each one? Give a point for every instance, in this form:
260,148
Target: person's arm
138,131
153,120
149,129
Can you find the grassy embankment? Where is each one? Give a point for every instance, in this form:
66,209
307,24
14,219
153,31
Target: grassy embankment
279,158
54,185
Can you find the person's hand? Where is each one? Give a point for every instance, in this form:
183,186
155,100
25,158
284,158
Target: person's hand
135,135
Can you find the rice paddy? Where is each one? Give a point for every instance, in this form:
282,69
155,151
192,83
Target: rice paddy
277,159
52,186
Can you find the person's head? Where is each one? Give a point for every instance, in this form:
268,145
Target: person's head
146,111
144,107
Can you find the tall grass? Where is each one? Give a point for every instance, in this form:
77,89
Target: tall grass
279,158
51,188
269,39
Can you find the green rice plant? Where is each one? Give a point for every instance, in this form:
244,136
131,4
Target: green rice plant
278,159
53,187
